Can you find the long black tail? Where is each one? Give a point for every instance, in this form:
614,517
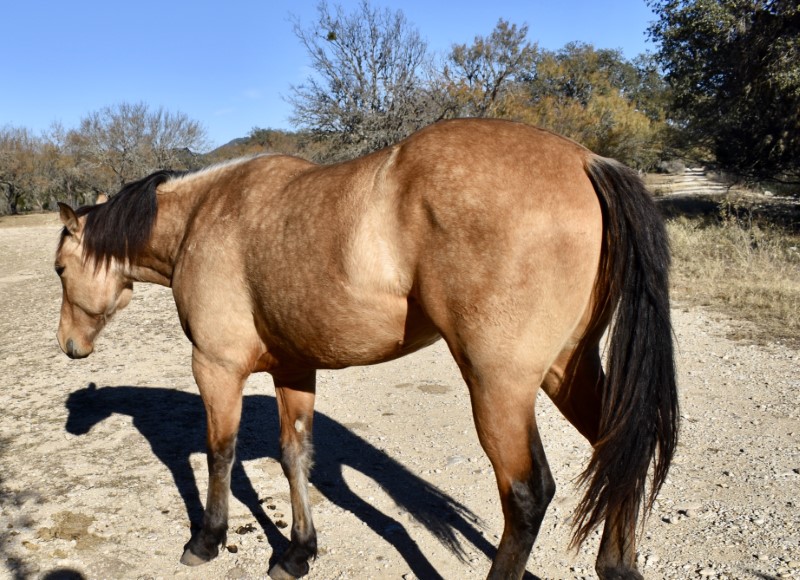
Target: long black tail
639,415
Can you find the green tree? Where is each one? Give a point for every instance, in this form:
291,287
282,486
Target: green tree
600,99
368,87
734,70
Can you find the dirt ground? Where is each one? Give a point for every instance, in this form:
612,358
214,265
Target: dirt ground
103,466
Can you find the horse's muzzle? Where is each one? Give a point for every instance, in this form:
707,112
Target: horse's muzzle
72,351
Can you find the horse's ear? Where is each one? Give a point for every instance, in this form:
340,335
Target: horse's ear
69,218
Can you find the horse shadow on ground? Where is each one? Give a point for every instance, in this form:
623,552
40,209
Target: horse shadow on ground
173,422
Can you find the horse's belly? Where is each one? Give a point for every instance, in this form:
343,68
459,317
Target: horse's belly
354,334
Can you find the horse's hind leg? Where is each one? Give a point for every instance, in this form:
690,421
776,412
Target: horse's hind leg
503,399
575,388
221,391
296,410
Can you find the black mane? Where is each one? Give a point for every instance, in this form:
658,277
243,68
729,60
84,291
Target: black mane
120,228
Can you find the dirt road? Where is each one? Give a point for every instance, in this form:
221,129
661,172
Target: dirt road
103,465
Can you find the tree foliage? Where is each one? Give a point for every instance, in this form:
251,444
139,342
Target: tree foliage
129,140
372,86
600,99
734,70
367,89
18,154
594,96
480,77
110,147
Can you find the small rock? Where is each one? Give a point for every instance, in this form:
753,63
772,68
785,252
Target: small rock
454,460
232,548
688,509
705,572
236,573
281,524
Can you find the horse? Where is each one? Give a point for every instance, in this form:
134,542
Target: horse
518,247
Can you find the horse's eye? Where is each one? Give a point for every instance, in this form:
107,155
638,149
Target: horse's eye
59,270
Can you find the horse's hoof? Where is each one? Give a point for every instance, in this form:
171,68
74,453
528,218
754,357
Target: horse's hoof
618,573
189,558
277,572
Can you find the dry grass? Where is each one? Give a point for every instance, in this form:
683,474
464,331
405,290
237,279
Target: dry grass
741,269
29,220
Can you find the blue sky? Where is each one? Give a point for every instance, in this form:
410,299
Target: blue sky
230,65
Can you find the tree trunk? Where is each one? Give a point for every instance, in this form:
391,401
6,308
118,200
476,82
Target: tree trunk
11,197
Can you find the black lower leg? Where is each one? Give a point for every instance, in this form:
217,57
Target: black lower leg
296,459
204,545
295,559
616,559
525,507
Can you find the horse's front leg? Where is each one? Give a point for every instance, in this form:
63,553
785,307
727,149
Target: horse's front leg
221,390
295,394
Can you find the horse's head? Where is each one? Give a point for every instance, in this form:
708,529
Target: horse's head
92,291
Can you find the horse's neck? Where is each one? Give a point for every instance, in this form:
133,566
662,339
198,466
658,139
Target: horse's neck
157,262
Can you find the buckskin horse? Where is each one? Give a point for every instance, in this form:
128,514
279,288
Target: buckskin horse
517,246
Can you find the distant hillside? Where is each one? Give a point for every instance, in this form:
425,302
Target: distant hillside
232,144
